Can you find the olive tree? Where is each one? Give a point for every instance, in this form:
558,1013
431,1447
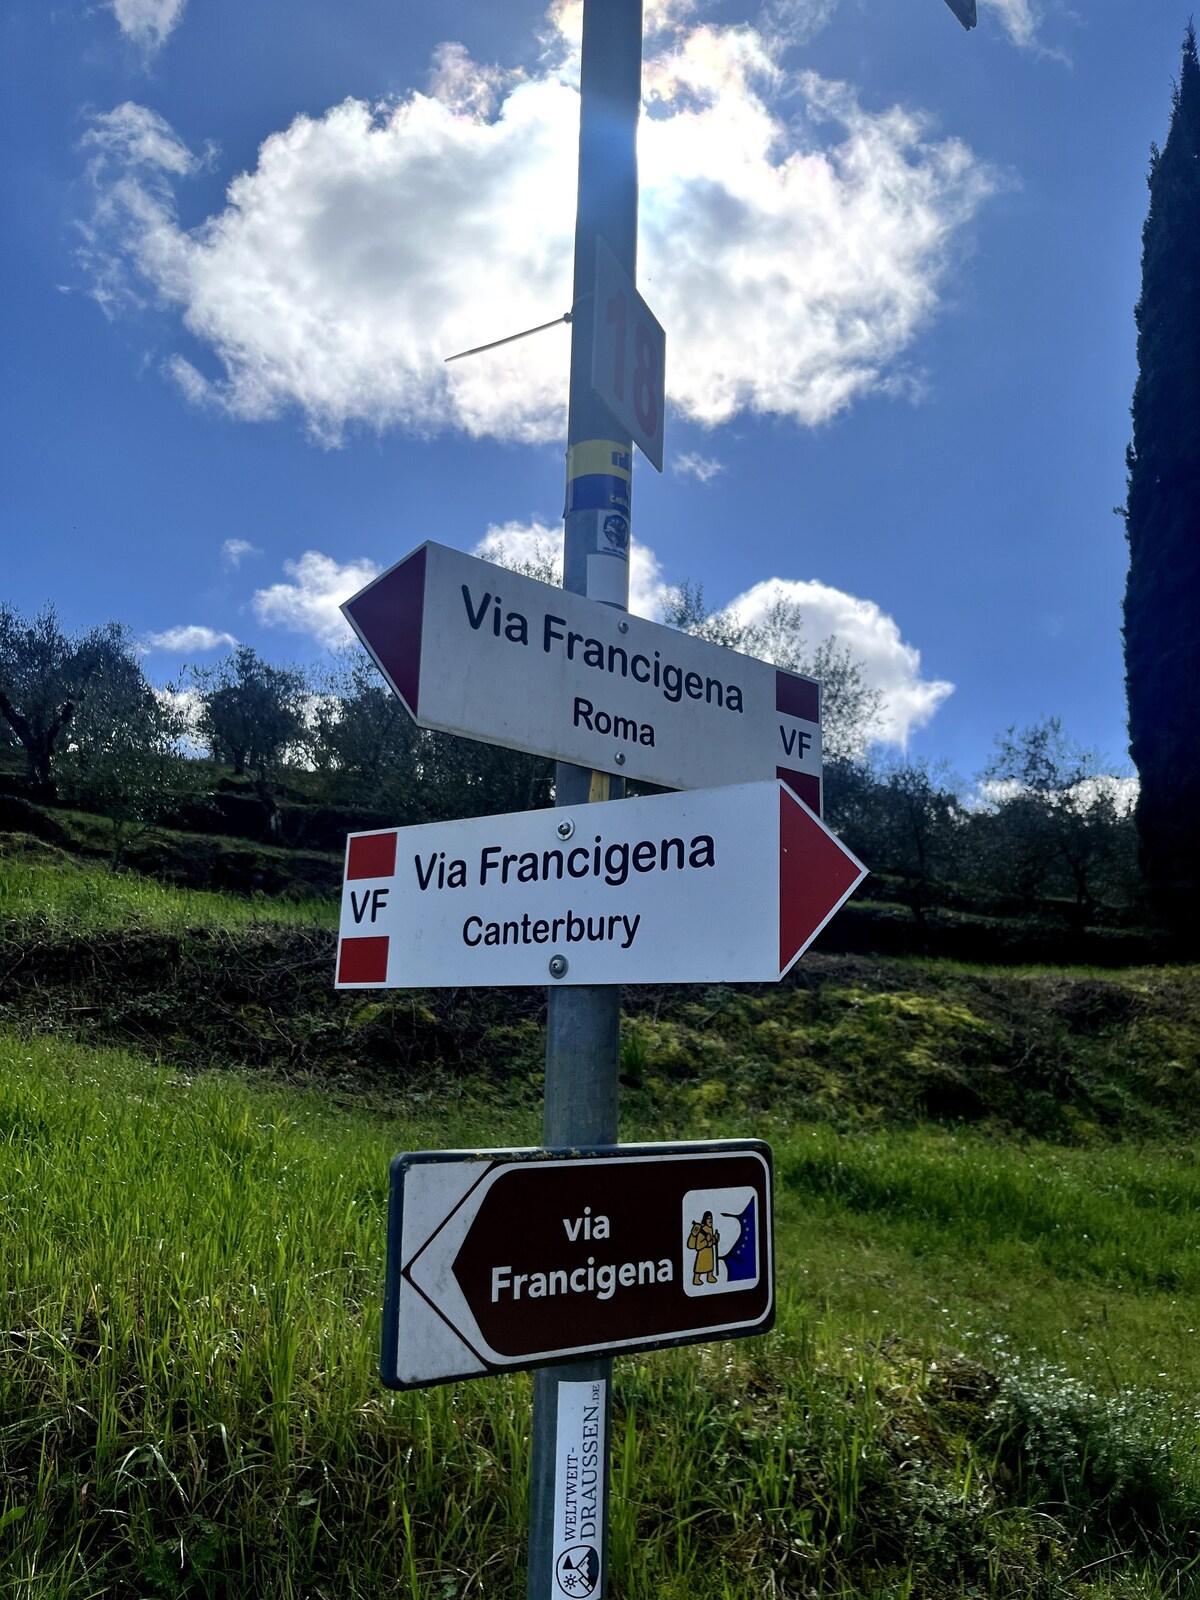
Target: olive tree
123,758
1055,821
251,714
850,708
49,679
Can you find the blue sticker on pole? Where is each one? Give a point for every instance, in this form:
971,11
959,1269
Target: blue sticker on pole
597,492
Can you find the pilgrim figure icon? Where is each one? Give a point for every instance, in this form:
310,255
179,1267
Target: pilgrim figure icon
720,1252
704,1240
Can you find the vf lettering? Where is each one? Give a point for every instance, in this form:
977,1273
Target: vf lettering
376,899
796,742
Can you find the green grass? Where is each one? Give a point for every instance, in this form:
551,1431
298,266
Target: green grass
191,1276
1091,1256
60,898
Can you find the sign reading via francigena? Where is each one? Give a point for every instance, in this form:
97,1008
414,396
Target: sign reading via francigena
504,1259
473,649
709,886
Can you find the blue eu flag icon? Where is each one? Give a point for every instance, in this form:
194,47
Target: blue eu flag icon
741,1259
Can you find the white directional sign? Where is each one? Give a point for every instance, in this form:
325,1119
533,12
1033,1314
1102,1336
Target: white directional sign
628,356
515,1258
709,886
476,650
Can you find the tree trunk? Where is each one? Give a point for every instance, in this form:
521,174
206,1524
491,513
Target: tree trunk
37,743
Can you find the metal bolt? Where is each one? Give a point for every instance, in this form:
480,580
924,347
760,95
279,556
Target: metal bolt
565,828
558,966
622,627
619,758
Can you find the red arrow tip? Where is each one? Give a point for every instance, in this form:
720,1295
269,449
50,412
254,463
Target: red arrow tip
816,873
387,616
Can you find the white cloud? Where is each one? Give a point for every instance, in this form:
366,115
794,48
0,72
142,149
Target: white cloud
872,638
793,243
463,85
690,464
187,703
133,156
1019,18
190,639
132,144
148,23
667,16
535,544
1119,789
796,21
194,385
309,603
235,551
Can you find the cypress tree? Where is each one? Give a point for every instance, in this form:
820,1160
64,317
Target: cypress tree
1162,518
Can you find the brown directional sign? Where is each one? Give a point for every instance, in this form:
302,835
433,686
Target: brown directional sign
506,1259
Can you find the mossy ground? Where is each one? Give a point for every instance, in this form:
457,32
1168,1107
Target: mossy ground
1066,1053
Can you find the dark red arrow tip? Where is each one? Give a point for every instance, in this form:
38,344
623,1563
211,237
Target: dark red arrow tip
816,873
387,616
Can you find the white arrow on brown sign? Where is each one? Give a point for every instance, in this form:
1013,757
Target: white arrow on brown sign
516,1258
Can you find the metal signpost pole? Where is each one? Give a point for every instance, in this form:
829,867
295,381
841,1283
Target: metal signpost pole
583,1023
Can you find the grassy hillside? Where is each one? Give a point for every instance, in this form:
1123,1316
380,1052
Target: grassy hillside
46,893
246,982
983,1379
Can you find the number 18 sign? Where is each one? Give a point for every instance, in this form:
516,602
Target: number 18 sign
628,351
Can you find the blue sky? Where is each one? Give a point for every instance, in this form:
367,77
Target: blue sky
896,264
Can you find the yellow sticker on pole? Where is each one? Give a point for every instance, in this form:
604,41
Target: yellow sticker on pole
601,457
